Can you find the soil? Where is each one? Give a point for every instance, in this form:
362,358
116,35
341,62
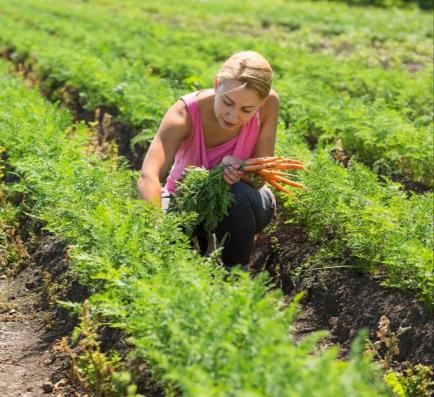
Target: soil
342,301
32,362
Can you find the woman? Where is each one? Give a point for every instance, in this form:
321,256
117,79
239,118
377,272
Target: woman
234,121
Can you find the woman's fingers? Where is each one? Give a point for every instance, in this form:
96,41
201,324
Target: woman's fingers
235,171
232,174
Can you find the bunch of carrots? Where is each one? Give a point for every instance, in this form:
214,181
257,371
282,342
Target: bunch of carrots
205,192
272,171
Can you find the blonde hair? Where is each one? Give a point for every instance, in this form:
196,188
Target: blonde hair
251,69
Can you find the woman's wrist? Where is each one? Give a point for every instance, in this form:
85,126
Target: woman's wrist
150,190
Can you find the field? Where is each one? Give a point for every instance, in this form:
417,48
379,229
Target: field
339,300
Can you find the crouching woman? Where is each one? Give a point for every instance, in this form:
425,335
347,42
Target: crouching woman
233,121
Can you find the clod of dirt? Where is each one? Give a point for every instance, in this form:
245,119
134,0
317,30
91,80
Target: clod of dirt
47,387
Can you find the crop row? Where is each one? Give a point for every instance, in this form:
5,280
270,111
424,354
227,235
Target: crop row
138,68
143,40
362,224
209,336
359,124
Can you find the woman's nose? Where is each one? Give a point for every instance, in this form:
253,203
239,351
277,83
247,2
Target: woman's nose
233,116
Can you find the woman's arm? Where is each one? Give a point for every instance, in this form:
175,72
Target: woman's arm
267,137
174,129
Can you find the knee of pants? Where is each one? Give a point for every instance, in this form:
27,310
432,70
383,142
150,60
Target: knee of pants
258,202
243,193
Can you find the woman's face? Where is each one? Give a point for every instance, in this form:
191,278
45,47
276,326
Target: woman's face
234,104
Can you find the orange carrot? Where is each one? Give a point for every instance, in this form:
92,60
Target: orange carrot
287,166
288,182
256,167
288,160
273,172
279,187
261,160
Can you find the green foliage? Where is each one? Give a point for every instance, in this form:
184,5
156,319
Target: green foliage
424,4
12,250
202,334
412,382
341,73
204,193
368,225
102,374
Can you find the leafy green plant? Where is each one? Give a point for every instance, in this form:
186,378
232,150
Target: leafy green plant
367,225
415,381
348,81
201,333
12,250
204,193
99,373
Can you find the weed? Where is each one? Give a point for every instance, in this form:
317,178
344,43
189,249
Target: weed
101,374
386,345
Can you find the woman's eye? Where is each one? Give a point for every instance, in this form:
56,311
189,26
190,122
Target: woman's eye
231,104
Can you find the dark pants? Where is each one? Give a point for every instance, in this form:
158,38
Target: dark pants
250,213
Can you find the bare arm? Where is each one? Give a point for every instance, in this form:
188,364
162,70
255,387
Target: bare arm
267,137
174,129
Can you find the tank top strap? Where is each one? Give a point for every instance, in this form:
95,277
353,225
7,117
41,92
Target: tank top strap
190,100
196,141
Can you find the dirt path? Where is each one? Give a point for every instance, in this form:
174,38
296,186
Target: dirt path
31,364
23,355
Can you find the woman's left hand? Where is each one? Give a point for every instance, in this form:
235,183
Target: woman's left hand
232,173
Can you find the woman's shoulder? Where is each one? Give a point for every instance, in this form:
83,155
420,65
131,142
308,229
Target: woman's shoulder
205,97
177,118
179,114
205,101
270,106
201,98
272,99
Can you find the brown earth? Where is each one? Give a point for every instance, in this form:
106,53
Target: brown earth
343,301
32,362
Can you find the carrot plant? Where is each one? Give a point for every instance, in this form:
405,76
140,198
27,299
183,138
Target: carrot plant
201,334
371,108
367,225
206,194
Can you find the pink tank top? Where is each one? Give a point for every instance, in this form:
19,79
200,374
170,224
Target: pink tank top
194,152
